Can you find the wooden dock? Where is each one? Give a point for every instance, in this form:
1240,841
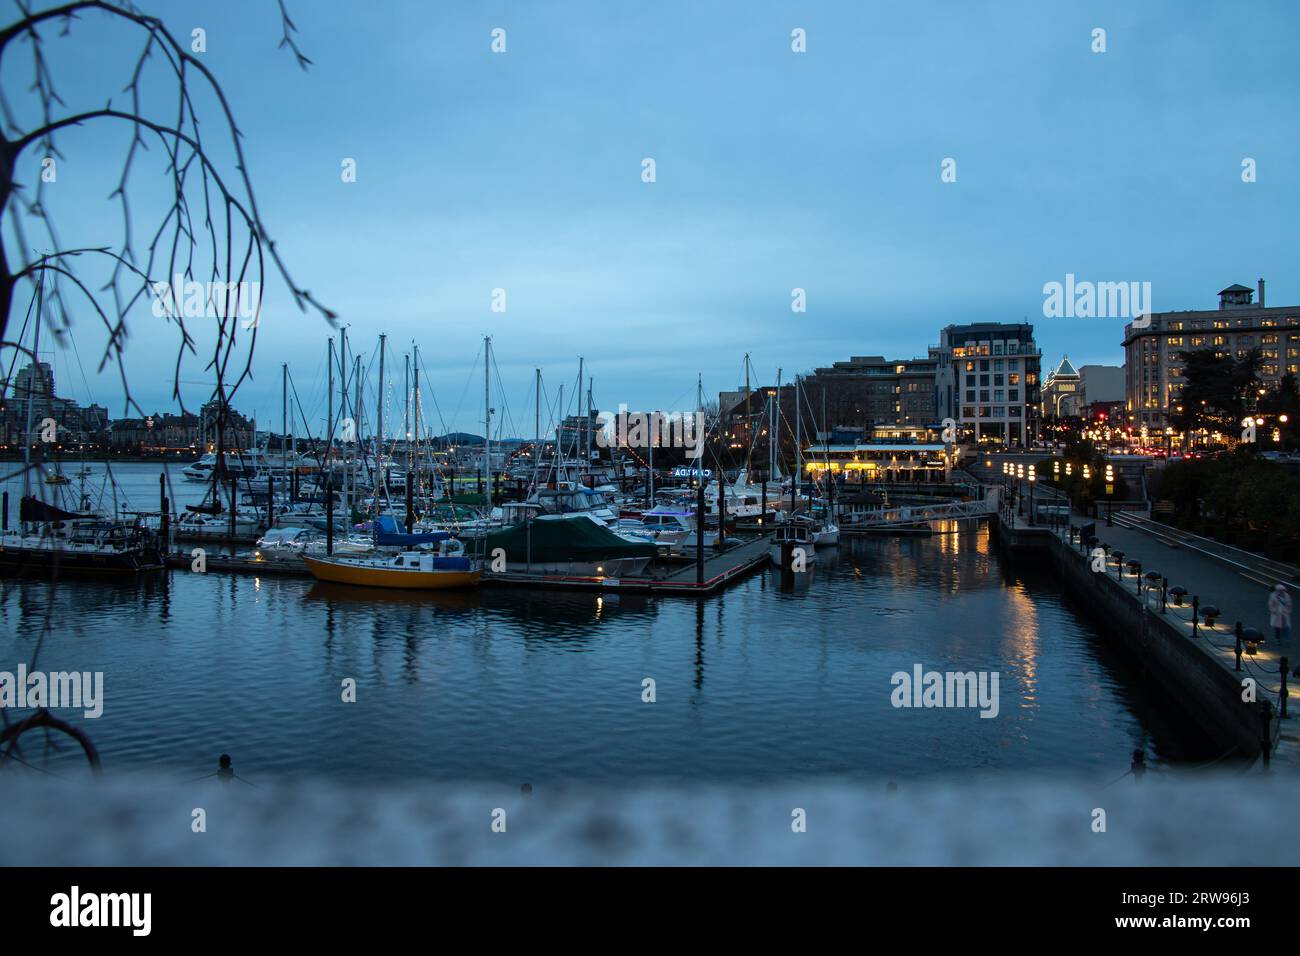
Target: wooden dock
721,570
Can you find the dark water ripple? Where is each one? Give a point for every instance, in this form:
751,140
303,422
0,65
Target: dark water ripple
514,686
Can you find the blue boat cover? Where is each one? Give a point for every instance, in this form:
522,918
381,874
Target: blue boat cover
388,533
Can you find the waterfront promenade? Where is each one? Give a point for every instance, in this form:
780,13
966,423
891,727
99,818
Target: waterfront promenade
1239,592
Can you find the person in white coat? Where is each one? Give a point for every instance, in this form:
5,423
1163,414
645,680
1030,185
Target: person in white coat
1279,612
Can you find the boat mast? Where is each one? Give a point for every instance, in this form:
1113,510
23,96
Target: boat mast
406,412
776,428
650,464
798,445
328,470
487,416
415,400
561,473
380,467
749,425
343,402
537,425
356,429
578,443
826,458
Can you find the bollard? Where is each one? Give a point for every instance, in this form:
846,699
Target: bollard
1196,611
1238,645
1164,595
225,772
1139,766
1283,693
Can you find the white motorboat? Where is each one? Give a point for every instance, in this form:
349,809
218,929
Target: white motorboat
251,464
799,535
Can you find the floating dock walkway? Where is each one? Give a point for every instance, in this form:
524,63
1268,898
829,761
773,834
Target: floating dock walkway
721,570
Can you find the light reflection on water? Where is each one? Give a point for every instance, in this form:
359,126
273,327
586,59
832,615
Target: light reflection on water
513,685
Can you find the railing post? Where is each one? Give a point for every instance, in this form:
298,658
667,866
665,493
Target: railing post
1266,717
1238,630
1164,595
1196,614
1283,693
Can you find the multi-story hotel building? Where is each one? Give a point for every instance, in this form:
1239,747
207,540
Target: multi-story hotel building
988,380
1153,368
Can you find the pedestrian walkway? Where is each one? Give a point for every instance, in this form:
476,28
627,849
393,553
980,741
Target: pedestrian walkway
1238,595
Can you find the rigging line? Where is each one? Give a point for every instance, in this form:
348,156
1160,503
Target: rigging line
468,377
505,402
433,395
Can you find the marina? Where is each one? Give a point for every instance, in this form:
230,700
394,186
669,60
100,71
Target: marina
519,684
565,434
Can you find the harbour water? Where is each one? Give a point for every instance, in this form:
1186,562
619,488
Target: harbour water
513,686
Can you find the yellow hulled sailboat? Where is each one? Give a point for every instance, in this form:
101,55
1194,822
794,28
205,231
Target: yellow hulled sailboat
412,570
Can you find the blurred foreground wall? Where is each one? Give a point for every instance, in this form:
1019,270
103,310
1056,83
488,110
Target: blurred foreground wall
1185,820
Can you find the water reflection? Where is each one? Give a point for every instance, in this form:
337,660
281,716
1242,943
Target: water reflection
509,684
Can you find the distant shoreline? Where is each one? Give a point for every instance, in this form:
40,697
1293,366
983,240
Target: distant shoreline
76,458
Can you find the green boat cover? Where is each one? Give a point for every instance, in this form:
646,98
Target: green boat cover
561,539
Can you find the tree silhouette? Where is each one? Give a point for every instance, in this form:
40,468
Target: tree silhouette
211,228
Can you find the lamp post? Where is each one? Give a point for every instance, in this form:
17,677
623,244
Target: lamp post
1110,500
1033,476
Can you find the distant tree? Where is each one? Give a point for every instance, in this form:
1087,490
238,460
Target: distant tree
1285,400
1217,391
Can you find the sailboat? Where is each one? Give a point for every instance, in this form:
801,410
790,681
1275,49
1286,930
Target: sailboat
427,569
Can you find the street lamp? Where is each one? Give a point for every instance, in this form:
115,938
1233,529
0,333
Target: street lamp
1110,491
1033,476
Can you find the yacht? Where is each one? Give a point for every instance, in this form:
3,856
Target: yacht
62,542
238,464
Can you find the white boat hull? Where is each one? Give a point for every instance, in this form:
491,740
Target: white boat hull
827,536
809,554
